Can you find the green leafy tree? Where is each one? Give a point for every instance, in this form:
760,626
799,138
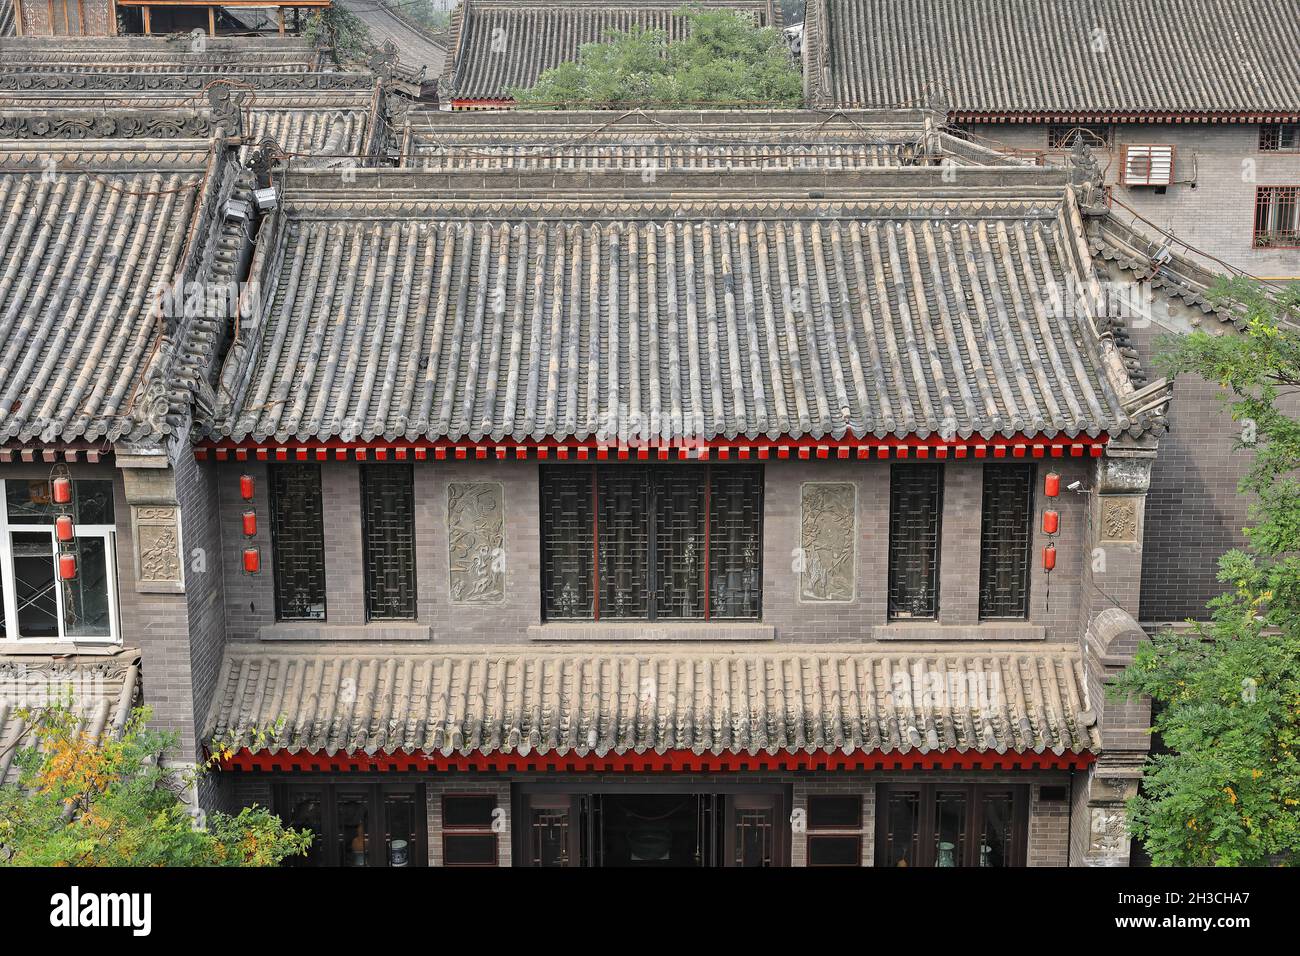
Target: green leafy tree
724,59
1229,690
79,801
422,12
341,32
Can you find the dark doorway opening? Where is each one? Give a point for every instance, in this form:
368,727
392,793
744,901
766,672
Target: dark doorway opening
667,827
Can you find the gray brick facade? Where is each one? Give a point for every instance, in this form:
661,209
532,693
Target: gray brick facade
1211,205
250,605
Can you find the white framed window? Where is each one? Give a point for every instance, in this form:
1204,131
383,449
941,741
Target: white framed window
39,605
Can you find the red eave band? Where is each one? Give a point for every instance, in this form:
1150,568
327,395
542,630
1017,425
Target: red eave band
740,449
671,761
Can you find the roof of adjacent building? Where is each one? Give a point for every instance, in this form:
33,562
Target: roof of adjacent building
606,699
315,128
1072,60
651,141
907,308
99,689
90,233
177,53
418,49
498,45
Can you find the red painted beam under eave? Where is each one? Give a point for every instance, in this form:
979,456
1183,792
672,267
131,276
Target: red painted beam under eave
671,761
720,449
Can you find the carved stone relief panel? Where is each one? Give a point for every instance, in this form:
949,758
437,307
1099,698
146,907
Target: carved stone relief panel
1120,518
157,547
1108,840
827,541
476,542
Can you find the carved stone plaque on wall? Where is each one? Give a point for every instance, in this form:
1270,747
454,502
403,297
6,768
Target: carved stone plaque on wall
827,541
1119,518
157,548
1108,836
476,542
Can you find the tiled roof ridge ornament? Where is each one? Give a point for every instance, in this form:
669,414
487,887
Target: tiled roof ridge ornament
262,158
383,61
227,102
1088,179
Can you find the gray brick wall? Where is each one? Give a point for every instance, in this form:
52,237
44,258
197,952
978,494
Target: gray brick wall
1218,215
249,602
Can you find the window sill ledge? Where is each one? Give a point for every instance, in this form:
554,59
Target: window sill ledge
345,632
650,631
990,631
106,648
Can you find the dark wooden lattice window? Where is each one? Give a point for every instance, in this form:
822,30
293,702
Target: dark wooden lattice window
674,543
624,545
915,503
298,542
679,542
735,543
951,825
388,533
1279,137
568,543
1005,537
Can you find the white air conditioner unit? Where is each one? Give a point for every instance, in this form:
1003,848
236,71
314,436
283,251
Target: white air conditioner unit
1147,165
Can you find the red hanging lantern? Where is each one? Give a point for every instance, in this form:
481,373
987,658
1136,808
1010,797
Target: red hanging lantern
252,560
1049,557
62,489
67,566
63,529
1052,484
1051,522
246,486
250,523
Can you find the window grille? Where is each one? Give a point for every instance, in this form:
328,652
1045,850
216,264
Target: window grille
388,530
915,503
1005,536
1277,216
627,542
298,542
1094,135
1279,137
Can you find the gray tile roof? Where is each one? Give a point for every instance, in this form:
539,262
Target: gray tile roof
390,315
1179,272
656,140
500,44
157,54
88,235
604,699
1072,59
99,689
418,50
320,128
